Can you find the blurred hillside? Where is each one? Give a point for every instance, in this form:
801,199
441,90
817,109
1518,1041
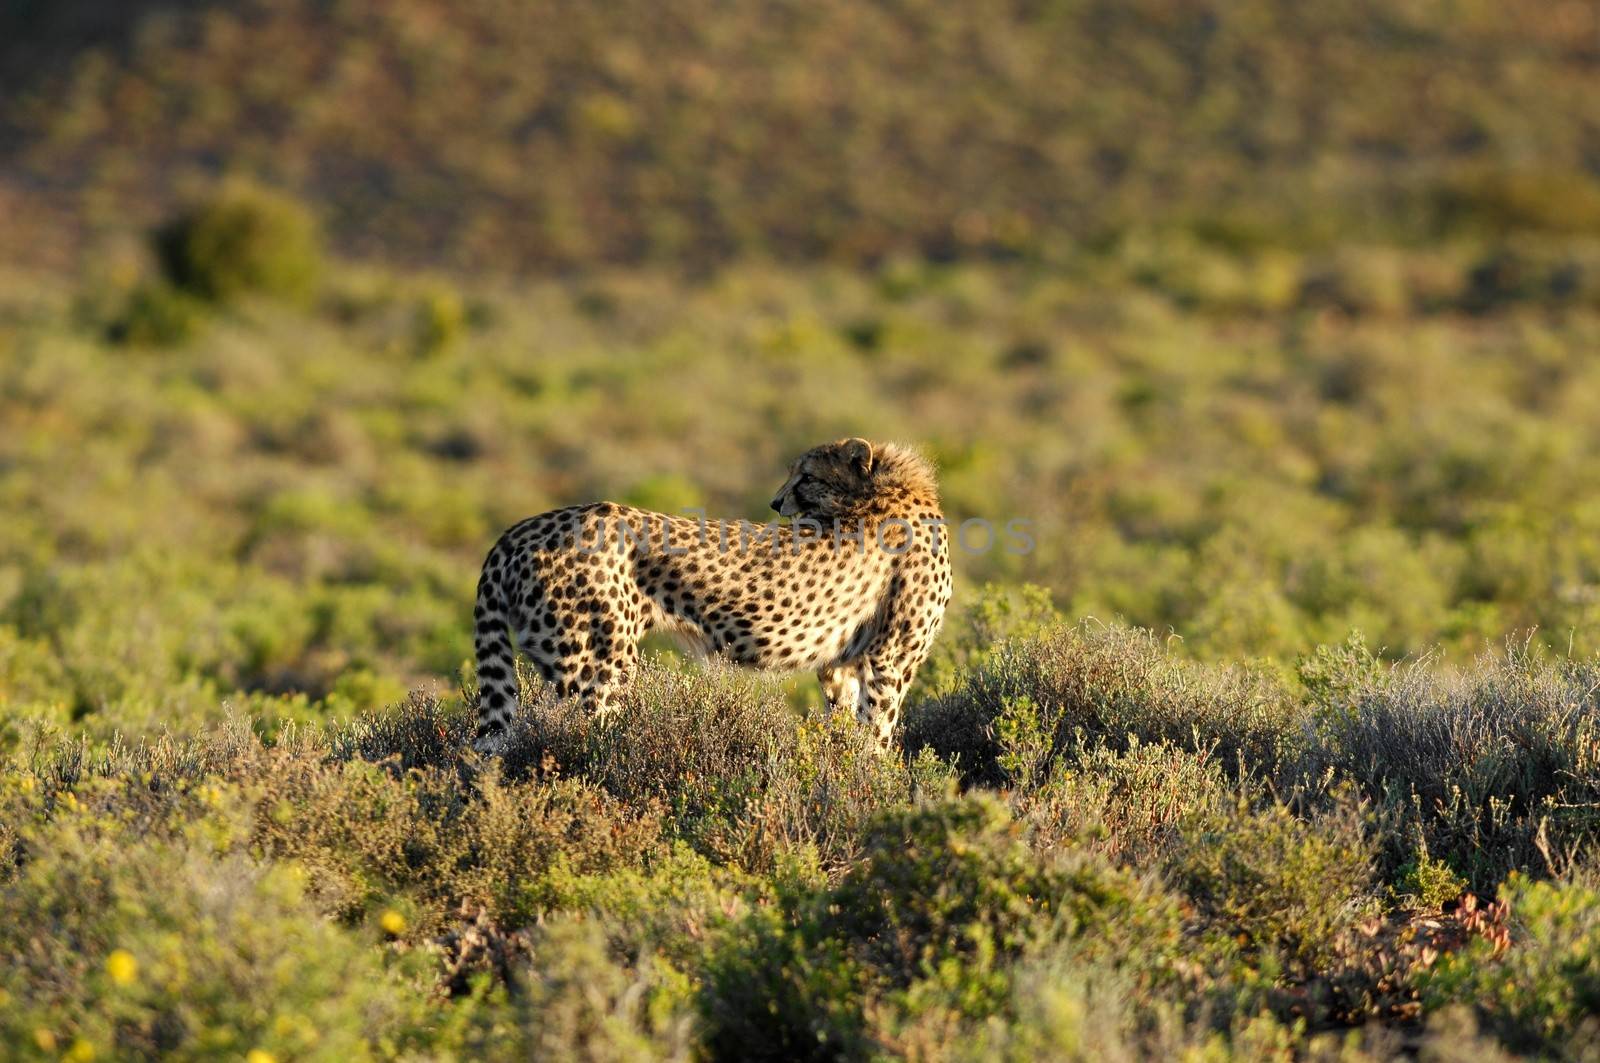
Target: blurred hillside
503,135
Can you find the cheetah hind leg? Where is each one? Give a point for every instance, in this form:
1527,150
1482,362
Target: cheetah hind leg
596,676
499,692
883,688
616,661
857,689
843,688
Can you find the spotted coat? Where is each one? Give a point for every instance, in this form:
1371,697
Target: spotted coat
853,587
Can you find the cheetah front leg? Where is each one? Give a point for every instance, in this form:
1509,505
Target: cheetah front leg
883,687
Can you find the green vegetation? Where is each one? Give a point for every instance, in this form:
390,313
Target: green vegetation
242,240
1275,322
276,499
244,520
233,546
722,875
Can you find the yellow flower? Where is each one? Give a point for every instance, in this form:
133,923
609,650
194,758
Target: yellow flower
81,1051
44,1039
260,1055
392,922
122,967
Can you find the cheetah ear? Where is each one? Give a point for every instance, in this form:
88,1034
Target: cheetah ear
858,452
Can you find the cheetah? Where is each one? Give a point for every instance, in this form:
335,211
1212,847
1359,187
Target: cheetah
854,587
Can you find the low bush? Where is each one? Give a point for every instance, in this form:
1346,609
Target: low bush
1128,805
574,1000
946,898
438,321
1530,198
447,843
1285,889
242,239
1492,770
1539,989
1108,685
156,314
1427,884
716,874
734,771
972,636
445,840
166,948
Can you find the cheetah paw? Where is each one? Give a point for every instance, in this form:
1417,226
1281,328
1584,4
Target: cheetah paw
492,744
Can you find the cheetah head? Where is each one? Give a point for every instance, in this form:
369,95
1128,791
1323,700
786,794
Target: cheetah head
829,481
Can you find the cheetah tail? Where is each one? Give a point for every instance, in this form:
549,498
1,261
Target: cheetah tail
499,693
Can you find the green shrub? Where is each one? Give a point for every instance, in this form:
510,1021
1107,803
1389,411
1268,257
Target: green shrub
1490,769
365,834
575,1001
827,784
1058,1008
1358,281
672,909
1024,739
1500,201
438,321
1110,684
1205,279
1427,884
1061,1008
1542,994
699,744
955,878
975,634
1334,677
242,239
30,673
1281,886
124,948
1127,805
945,900
156,315
445,838
736,772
